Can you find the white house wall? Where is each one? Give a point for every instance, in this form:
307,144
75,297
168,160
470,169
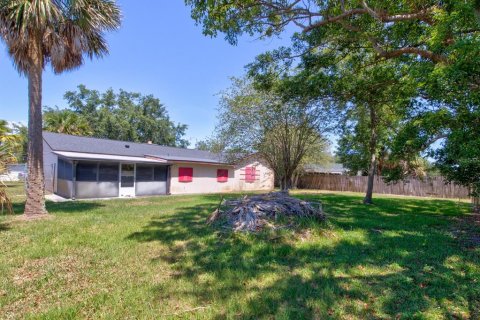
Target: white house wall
49,167
205,178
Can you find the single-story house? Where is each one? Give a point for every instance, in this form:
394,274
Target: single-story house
78,167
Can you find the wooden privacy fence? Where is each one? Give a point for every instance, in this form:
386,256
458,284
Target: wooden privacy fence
430,187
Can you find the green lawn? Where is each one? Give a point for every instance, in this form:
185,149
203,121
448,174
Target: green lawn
156,258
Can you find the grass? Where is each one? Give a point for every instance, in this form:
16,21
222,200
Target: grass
156,258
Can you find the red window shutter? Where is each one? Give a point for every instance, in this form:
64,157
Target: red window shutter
185,174
222,175
250,174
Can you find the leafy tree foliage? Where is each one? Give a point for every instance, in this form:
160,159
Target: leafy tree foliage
283,132
428,29
374,100
457,129
212,144
459,159
436,44
369,101
124,115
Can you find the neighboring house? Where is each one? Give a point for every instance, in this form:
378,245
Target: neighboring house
84,167
15,172
333,168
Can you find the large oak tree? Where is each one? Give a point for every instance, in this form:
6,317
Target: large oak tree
436,42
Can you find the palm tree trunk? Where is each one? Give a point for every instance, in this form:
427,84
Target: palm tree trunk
35,203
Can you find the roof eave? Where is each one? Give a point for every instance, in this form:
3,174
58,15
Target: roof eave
201,162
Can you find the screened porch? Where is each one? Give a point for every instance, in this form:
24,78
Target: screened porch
86,179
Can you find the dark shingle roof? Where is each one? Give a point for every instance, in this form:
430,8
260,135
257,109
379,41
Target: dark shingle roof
64,142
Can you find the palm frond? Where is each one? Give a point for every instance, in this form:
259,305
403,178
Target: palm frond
68,30
66,121
5,200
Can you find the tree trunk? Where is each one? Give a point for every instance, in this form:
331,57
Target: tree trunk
373,157
296,177
286,183
35,203
476,204
371,180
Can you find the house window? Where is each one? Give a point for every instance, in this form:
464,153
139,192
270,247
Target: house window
185,174
222,175
108,172
87,171
250,174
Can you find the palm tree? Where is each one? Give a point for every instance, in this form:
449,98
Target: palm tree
59,32
65,121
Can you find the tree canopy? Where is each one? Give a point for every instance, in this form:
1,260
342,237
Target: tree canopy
434,46
122,115
285,132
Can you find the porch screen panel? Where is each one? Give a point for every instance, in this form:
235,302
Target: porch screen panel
144,173
151,180
108,172
64,184
96,180
160,173
87,171
64,170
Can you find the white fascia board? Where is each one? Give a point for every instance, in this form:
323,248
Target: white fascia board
106,157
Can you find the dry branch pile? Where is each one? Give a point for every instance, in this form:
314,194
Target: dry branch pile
252,213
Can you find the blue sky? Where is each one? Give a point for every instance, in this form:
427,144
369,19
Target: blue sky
158,51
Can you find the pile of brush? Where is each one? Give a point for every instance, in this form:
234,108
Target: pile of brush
253,213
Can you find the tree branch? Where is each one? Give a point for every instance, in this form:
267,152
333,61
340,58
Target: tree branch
423,15
334,19
426,54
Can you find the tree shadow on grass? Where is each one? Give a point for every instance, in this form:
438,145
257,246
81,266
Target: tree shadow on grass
62,207
73,206
4,227
386,261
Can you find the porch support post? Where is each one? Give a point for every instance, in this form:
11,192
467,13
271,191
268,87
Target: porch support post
169,176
